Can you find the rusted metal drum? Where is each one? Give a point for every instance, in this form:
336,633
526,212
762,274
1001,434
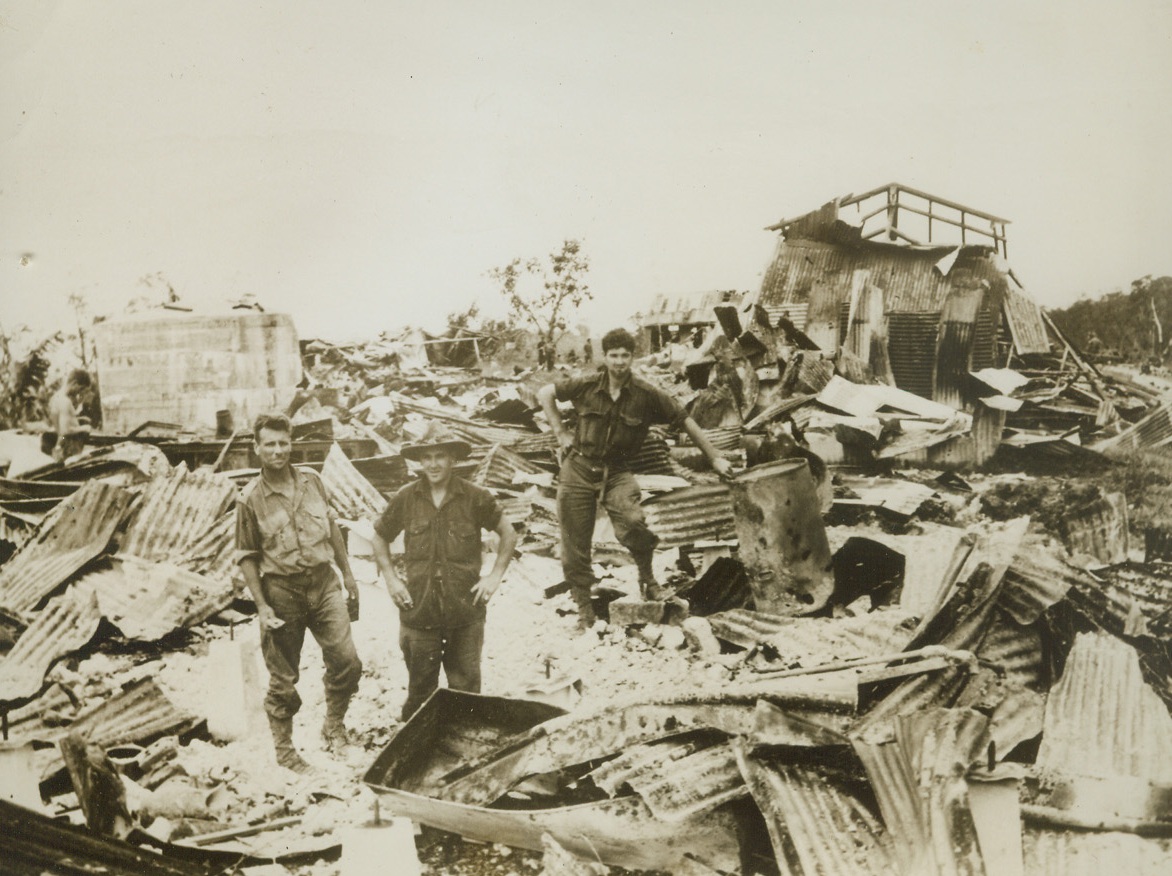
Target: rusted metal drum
782,538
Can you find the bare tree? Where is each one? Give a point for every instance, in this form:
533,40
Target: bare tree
554,291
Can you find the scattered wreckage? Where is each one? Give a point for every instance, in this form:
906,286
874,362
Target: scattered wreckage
903,683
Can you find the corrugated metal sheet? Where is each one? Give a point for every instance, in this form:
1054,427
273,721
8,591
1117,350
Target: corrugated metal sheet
695,783
1154,430
775,410
1125,600
67,623
919,781
1102,719
912,349
818,641
35,843
701,513
1016,650
501,466
817,826
1099,529
138,713
146,600
1037,579
74,533
1086,853
900,497
654,457
352,496
176,513
471,430
1025,322
795,313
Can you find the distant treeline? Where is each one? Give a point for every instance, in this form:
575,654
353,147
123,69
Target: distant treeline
1134,326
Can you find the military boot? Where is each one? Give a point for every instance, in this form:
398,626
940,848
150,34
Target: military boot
333,729
648,586
287,755
586,615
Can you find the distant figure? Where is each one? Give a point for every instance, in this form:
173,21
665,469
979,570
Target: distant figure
541,354
588,351
68,427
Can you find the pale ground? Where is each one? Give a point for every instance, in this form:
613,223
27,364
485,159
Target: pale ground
531,650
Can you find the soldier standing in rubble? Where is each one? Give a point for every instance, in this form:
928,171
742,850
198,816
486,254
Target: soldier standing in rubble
286,538
442,606
68,426
615,410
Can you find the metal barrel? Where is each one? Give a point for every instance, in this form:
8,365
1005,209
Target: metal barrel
783,543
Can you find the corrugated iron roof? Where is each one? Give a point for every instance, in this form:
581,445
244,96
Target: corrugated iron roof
919,781
1099,529
1154,430
808,641
147,600
471,430
352,496
177,511
67,623
1025,322
817,826
690,785
898,496
501,468
74,533
138,713
1102,719
1037,579
700,513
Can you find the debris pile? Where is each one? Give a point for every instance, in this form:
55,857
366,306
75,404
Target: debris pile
853,667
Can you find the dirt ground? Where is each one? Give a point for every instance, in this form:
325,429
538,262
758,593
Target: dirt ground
531,649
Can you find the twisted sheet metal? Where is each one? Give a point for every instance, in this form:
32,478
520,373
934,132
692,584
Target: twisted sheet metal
146,600
352,496
75,532
817,826
176,512
66,624
700,513
501,467
138,713
808,641
1153,431
1037,579
687,782
1099,530
919,782
1102,719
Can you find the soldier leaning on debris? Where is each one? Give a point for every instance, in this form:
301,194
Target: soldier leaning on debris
615,410
286,539
442,606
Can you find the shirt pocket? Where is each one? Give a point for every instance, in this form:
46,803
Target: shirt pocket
629,432
276,531
417,540
464,542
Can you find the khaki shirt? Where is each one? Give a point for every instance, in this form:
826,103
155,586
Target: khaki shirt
286,532
612,431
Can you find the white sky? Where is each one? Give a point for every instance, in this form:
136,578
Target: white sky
361,165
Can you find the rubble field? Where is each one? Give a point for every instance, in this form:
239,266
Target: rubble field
866,658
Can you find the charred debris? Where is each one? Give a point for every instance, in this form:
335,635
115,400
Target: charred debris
892,667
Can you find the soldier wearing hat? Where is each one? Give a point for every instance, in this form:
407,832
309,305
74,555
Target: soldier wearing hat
442,602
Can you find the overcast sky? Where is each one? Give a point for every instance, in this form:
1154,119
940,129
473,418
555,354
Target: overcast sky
361,165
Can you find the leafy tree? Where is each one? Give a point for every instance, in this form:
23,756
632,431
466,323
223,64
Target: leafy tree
1136,325
544,295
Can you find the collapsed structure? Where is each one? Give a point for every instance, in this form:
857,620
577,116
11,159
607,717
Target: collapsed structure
859,668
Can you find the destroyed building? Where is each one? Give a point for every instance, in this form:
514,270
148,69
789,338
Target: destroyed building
865,663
